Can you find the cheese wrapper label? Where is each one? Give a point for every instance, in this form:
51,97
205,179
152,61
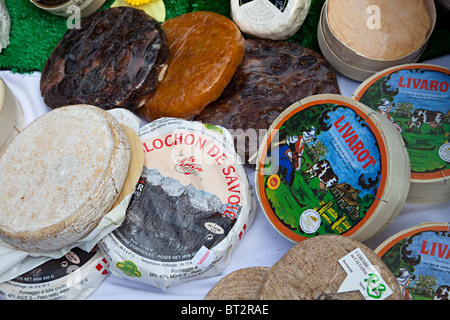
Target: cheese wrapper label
363,276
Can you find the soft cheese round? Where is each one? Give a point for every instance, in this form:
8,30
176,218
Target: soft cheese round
60,176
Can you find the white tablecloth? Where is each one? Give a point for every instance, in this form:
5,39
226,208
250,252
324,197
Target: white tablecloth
262,245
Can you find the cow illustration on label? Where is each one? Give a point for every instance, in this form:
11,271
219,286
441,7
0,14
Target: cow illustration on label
332,182
417,97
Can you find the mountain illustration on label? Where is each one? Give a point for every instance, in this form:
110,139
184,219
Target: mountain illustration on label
329,170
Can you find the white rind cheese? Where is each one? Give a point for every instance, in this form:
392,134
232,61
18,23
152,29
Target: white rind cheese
268,19
61,176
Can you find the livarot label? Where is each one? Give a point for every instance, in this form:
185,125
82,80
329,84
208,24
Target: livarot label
415,98
420,259
321,169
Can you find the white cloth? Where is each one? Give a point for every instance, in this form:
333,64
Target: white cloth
262,245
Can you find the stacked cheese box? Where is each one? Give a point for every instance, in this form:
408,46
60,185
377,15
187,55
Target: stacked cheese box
163,140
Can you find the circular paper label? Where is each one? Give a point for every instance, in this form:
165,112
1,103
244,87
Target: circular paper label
420,259
416,99
330,161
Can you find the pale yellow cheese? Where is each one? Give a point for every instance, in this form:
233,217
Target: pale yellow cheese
60,176
403,28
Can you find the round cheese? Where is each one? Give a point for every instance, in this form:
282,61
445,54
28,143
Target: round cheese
270,19
75,276
414,97
191,206
61,175
419,257
329,267
330,165
376,29
242,284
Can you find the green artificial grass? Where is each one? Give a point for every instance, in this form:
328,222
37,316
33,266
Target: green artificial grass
35,33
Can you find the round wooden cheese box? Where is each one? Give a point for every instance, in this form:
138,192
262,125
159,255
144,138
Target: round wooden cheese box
330,165
419,257
362,37
191,206
60,177
415,98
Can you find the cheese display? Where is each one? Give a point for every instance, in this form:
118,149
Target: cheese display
114,69
205,51
271,77
329,267
419,258
360,38
414,97
330,165
75,276
60,176
192,205
270,19
242,284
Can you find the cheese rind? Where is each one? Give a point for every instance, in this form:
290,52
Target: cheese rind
62,175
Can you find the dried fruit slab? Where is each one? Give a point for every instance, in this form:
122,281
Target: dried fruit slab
311,271
205,51
272,76
116,59
242,284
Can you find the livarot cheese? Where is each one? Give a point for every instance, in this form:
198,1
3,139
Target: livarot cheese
414,97
190,207
270,19
329,165
419,257
60,176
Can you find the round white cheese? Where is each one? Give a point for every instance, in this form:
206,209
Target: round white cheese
60,176
191,206
270,19
414,97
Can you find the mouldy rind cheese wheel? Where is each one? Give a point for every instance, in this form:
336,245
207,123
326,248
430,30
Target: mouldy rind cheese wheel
414,97
60,176
418,257
205,49
242,284
311,270
330,166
